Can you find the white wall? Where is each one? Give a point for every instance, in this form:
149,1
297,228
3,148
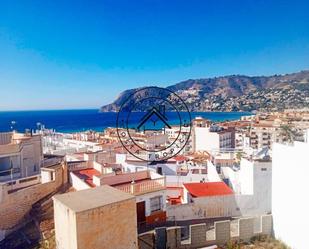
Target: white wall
65,226
78,183
99,167
204,207
216,206
128,167
46,176
233,177
2,235
177,181
246,177
252,185
205,140
146,198
212,173
290,199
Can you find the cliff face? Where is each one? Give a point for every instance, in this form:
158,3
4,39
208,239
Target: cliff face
238,93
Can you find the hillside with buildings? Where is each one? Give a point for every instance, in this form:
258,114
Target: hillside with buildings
238,93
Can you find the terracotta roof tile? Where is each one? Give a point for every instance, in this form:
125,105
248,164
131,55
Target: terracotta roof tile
208,189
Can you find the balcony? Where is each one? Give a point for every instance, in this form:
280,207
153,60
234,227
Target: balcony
143,187
9,174
10,171
12,186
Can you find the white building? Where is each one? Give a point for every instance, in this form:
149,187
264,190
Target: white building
148,187
290,201
20,155
213,138
252,185
64,144
177,133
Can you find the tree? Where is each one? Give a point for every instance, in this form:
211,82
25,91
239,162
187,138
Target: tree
288,133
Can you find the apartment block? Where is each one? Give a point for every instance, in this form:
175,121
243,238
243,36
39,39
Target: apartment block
20,155
213,138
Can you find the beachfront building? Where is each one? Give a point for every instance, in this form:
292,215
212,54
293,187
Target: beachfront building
66,143
20,155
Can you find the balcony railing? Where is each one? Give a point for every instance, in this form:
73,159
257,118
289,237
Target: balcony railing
143,187
10,171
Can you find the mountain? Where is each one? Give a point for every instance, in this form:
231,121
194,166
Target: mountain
238,93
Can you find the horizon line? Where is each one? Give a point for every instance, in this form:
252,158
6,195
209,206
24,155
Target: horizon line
56,109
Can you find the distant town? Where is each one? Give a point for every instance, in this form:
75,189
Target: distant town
229,184
274,93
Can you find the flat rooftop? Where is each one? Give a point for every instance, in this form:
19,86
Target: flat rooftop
87,175
112,180
92,198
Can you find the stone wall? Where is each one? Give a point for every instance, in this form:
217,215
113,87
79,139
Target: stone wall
16,205
222,233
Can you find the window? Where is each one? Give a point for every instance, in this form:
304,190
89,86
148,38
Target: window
264,169
156,203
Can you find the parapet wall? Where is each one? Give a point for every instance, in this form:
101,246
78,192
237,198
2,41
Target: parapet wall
219,206
200,236
16,205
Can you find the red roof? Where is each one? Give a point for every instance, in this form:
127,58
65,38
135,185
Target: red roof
87,175
180,158
208,189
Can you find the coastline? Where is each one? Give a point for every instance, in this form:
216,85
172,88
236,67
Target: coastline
79,120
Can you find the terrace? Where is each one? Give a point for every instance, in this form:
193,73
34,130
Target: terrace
143,187
135,183
14,185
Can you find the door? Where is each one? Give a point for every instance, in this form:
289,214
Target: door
140,209
159,170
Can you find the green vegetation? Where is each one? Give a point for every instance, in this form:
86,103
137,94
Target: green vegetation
258,242
239,93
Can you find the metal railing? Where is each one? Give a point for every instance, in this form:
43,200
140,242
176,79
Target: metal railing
9,171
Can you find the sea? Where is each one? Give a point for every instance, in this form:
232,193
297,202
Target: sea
70,121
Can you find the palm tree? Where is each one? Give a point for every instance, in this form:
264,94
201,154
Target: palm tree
239,155
288,133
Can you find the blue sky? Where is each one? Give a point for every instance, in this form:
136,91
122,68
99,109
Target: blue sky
82,54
